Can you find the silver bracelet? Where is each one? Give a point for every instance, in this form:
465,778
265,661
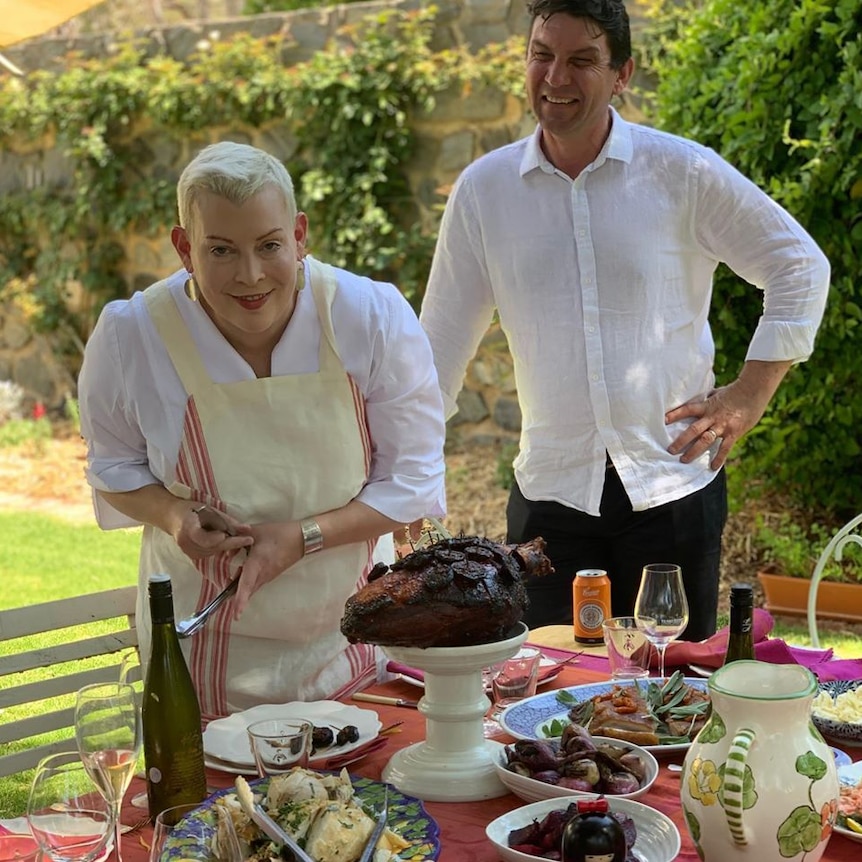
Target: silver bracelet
312,537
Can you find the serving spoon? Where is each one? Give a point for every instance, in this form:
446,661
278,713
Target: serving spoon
187,627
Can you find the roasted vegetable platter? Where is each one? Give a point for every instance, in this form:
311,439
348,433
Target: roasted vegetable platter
662,716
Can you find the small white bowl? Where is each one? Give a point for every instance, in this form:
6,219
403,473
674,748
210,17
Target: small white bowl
846,733
531,789
657,839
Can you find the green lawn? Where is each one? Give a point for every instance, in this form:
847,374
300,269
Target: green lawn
44,558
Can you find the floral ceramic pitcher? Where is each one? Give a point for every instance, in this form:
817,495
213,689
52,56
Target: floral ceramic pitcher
759,782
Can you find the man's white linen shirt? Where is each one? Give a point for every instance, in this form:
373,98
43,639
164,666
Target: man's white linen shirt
133,404
603,286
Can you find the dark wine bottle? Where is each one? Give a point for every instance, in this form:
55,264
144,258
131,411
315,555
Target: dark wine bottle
740,641
171,714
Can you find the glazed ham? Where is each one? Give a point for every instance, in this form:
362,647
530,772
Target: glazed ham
458,592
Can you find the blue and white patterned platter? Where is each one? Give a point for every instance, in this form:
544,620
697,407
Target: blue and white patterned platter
407,817
526,718
841,759
850,775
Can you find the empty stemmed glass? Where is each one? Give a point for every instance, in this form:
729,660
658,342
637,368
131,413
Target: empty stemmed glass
661,607
68,816
108,732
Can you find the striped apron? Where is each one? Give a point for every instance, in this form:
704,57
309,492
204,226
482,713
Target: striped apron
272,449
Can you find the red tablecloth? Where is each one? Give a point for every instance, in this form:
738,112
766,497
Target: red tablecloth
462,824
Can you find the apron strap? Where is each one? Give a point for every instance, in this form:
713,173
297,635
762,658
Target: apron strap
324,286
175,336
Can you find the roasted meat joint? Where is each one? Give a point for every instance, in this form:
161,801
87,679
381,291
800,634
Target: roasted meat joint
458,592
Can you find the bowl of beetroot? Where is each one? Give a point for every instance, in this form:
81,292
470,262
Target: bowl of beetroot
576,764
535,831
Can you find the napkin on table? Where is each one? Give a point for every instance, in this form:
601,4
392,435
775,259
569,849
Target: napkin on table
710,653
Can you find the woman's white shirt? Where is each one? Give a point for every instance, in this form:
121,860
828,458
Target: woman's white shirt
132,403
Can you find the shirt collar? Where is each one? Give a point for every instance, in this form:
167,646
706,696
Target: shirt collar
618,146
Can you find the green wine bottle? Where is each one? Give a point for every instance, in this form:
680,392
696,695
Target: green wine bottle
740,642
171,715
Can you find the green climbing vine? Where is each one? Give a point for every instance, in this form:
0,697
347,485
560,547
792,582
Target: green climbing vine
349,112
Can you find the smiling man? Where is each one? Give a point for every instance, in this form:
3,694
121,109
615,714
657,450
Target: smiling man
596,241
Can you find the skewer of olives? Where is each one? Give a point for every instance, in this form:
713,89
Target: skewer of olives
323,737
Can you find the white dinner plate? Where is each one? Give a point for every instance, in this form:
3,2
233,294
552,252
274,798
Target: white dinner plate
545,662
850,775
658,839
702,670
226,739
527,718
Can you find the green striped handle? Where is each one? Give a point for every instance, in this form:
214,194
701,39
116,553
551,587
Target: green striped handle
732,791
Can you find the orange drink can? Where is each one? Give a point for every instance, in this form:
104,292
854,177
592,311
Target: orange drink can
591,604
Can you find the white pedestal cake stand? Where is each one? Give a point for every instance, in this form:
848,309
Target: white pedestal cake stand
455,763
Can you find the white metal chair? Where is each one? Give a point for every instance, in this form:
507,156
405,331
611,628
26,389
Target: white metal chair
66,675
849,533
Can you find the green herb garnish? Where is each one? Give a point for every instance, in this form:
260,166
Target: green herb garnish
553,728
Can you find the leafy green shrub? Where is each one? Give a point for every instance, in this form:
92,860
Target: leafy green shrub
17,432
774,87
790,547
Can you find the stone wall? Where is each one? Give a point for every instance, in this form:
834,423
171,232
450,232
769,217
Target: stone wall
457,131
30,360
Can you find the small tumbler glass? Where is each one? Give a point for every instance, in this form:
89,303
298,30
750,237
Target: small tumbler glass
279,745
628,648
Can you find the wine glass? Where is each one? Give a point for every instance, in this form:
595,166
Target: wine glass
108,731
661,607
68,815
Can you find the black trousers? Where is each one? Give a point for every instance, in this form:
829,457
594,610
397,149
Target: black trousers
686,532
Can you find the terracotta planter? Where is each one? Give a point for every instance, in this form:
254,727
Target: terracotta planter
835,601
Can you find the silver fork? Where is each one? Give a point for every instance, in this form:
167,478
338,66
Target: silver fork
187,627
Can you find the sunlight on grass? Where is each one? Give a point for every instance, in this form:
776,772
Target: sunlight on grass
44,558
41,559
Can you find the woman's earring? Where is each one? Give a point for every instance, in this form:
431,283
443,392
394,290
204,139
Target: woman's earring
300,276
191,288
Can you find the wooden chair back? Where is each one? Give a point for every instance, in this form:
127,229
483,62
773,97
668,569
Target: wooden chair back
60,653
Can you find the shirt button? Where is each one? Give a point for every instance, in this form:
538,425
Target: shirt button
588,281
592,329
595,376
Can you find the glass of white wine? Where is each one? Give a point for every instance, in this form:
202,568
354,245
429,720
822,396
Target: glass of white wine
108,732
661,607
69,817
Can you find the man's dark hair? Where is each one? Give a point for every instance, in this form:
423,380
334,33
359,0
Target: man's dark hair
609,15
